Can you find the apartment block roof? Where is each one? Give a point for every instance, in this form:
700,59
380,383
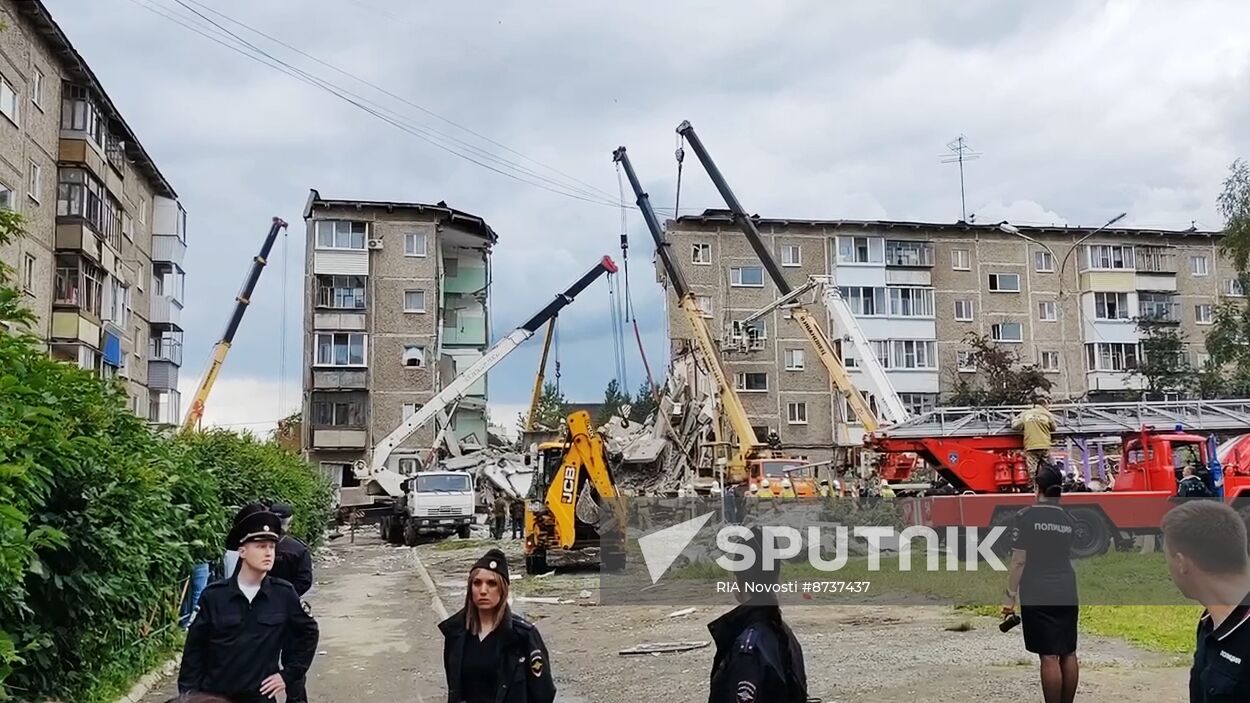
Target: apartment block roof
473,223
77,71
719,216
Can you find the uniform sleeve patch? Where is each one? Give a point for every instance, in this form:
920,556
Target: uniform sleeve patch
745,692
536,663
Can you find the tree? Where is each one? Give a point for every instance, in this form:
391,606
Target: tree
1234,206
644,403
1000,378
551,412
613,401
1163,364
1228,341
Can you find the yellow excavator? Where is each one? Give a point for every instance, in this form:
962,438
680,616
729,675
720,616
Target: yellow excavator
574,505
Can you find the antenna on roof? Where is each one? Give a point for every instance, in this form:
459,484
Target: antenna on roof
961,153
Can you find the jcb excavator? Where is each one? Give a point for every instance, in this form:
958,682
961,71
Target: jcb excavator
573,502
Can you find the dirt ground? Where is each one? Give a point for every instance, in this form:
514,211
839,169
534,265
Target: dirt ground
379,641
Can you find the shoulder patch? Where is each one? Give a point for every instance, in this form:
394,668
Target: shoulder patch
520,624
748,640
536,663
745,692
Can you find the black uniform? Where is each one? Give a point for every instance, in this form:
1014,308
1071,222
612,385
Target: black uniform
509,666
757,659
1192,487
1048,597
234,645
292,562
1221,670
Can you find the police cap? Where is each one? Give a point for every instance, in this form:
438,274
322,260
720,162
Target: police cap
260,527
282,510
235,535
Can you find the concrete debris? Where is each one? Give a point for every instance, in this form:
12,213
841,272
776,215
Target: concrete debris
663,647
681,613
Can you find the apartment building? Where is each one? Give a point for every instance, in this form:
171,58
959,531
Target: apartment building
1067,298
101,261
396,304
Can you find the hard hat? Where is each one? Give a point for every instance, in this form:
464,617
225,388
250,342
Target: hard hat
785,483
885,483
752,487
764,483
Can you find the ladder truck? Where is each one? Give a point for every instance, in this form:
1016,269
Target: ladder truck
977,454
751,459
382,479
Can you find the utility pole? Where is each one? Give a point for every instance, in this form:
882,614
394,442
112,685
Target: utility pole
961,153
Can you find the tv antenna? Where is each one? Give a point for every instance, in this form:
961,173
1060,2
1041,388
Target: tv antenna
961,152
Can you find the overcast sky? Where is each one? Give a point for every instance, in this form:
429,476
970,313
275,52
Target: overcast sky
1081,110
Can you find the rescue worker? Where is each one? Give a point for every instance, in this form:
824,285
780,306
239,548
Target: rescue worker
501,515
886,491
1191,485
1204,542
518,518
293,563
1037,424
765,490
787,489
824,489
490,654
758,659
1042,580
247,624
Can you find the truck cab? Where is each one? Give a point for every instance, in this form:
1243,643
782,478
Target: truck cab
1154,462
439,502
778,469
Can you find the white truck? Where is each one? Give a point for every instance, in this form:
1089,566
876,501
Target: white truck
437,503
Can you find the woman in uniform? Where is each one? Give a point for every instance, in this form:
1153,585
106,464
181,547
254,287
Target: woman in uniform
1043,581
490,654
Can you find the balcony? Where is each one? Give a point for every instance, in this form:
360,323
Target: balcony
336,379
466,280
1158,310
1155,260
465,330
165,349
339,439
168,249
162,376
909,254
71,326
165,310
165,408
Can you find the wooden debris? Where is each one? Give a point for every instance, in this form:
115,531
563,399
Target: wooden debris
681,613
663,647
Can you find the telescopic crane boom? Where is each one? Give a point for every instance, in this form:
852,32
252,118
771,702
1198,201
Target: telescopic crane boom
749,445
815,335
196,412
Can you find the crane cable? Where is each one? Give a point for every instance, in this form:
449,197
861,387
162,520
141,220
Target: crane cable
632,315
282,410
555,342
680,154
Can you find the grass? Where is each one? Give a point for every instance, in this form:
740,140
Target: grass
115,681
449,545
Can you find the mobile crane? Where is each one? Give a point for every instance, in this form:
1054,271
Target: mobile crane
749,458
218,358
383,480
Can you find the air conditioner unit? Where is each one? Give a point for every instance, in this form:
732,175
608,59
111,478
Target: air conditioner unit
375,243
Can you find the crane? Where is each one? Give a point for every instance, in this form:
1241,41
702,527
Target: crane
886,395
391,482
538,380
749,446
218,358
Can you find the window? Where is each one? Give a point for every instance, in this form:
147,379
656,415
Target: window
908,253
340,349
28,273
415,244
341,292
914,354
407,410
960,261
1109,257
1155,259
79,113
963,311
864,301
82,195
911,302
701,254
1005,282
791,255
6,197
1049,360
8,99
704,303
1232,286
1047,311
1110,356
746,276
414,301
1007,332
36,88
1204,314
1158,306
794,359
752,381
796,413
338,413
34,185
143,211
918,403
1111,306
340,234
77,282
414,356
965,362
451,267
861,250
754,333
1198,266
1043,262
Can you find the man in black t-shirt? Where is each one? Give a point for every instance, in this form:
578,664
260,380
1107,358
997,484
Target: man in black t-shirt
1043,581
1205,545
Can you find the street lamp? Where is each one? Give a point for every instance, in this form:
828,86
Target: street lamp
1014,231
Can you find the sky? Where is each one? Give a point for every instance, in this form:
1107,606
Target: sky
1079,110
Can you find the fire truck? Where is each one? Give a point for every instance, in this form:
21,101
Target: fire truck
977,456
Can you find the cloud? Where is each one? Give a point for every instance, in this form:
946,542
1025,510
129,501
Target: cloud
253,404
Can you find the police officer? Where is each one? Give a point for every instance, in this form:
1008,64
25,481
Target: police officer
230,559
246,624
757,658
1043,581
490,654
1204,542
1191,485
293,563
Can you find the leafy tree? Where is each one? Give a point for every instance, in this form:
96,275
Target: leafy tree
551,412
1164,365
1000,378
613,401
1234,206
644,403
1228,341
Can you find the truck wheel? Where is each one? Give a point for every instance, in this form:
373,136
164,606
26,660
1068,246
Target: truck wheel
463,531
410,534
536,563
1004,517
1092,536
